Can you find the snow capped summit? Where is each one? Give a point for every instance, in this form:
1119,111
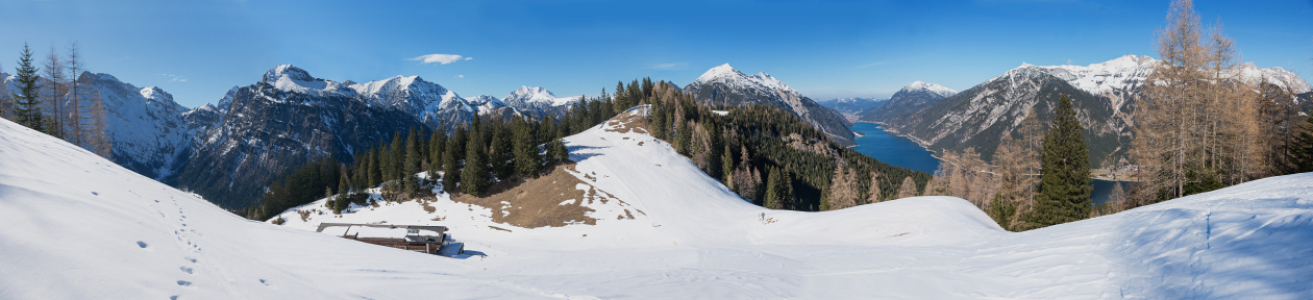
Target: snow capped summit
1119,78
725,85
288,71
154,92
724,70
918,85
526,97
760,82
289,78
1274,75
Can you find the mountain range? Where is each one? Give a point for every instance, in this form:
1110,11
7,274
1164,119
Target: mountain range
724,85
227,152
1103,94
852,108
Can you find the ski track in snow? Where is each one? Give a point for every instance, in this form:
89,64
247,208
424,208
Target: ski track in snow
78,226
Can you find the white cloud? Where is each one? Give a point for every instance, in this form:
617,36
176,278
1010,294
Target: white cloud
460,76
667,66
440,58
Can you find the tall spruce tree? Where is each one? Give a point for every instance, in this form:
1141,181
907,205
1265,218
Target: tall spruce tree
1300,152
1064,192
475,178
27,104
450,166
410,183
499,153
396,158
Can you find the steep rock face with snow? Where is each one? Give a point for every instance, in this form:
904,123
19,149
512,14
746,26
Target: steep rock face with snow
910,98
725,85
146,128
283,120
979,116
1104,95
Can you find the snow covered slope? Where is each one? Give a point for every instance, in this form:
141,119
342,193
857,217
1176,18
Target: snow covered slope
77,226
695,239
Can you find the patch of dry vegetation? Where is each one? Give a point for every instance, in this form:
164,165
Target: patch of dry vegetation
540,202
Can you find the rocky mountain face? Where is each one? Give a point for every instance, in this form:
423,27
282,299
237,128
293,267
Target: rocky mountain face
228,152
145,126
725,85
1103,93
978,117
852,108
289,118
910,98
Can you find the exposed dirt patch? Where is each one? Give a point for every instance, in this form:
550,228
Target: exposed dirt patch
541,202
627,122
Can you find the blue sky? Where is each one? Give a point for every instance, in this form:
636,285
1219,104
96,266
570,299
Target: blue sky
197,50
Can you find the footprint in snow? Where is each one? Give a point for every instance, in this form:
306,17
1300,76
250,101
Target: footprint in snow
141,244
184,283
95,193
174,297
186,269
266,283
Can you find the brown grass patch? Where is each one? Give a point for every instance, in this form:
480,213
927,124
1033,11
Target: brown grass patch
627,122
537,202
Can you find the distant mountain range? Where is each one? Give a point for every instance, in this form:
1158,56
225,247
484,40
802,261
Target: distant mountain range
852,108
727,86
229,151
910,98
1103,93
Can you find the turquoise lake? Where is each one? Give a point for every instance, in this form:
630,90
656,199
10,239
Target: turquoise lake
892,149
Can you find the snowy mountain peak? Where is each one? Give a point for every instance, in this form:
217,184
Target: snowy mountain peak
720,71
153,92
760,82
289,78
928,87
289,71
526,96
528,92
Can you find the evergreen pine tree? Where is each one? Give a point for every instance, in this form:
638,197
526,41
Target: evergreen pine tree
343,187
1064,192
779,190
499,154
410,182
475,178
437,143
450,166
727,164
396,158
658,115
27,105
1300,150
527,159
375,167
